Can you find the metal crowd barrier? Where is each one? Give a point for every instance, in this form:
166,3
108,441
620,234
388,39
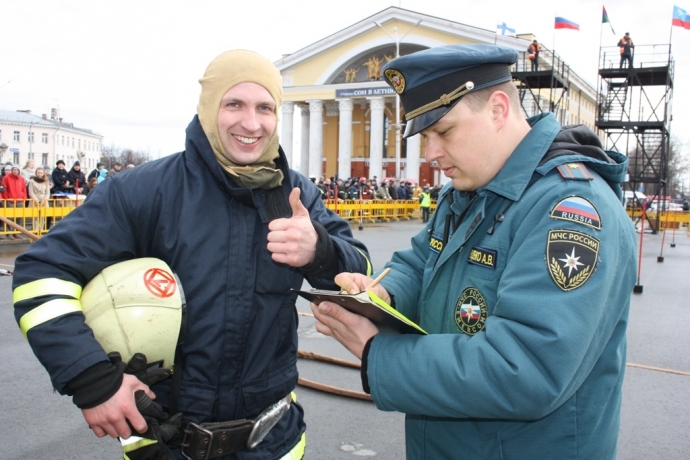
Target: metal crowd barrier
39,219
377,210
36,219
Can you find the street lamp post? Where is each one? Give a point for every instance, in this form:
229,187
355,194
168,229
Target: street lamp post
397,125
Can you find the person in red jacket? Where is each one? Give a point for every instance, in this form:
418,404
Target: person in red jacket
15,190
15,187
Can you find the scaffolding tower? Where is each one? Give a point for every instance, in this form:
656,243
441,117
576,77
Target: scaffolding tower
634,112
544,89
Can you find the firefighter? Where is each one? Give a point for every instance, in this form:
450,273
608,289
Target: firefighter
239,229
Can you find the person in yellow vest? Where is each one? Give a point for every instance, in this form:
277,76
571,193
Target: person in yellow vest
425,200
533,54
627,47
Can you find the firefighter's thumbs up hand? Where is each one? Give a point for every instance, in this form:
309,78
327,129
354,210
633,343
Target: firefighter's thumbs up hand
292,241
298,209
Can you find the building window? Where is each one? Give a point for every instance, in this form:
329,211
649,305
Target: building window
44,138
0,134
15,158
44,158
31,155
16,136
31,137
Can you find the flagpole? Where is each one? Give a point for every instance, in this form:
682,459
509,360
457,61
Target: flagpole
670,38
553,43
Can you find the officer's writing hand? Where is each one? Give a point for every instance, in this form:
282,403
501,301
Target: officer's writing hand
293,241
111,417
354,283
351,330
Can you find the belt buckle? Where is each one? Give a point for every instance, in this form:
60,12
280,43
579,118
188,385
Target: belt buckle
187,432
267,420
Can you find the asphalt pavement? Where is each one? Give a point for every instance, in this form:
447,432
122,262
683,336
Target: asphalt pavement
40,424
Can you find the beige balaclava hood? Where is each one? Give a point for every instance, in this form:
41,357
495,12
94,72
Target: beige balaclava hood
227,70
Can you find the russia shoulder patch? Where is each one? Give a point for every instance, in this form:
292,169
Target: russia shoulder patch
579,210
574,171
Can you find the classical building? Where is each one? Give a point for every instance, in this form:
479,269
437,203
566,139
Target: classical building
24,136
351,121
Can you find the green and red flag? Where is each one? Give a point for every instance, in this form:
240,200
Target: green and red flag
605,19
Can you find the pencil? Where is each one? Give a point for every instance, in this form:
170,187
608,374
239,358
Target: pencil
378,278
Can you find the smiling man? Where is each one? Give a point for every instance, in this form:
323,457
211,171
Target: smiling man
522,277
239,229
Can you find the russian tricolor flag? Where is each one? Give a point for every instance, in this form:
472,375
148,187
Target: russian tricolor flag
563,23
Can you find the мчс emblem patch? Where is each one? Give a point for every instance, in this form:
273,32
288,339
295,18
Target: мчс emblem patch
571,258
396,79
579,210
470,311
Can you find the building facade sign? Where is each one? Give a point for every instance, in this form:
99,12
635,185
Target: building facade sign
364,92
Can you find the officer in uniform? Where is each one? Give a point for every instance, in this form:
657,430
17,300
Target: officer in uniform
239,229
522,277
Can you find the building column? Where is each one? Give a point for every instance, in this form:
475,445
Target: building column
377,106
287,130
345,139
413,149
304,142
315,138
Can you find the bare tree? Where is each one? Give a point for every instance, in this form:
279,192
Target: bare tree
116,154
678,167
646,160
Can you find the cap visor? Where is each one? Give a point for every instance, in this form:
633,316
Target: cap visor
425,120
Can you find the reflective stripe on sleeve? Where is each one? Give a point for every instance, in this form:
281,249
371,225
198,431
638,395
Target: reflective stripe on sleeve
369,269
297,452
48,311
48,286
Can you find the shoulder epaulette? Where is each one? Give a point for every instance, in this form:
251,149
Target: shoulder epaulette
575,171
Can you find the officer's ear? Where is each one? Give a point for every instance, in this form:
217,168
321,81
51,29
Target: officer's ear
500,108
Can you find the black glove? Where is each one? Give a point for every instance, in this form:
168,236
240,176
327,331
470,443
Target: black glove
161,429
137,367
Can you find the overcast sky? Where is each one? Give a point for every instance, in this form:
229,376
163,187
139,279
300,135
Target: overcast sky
129,70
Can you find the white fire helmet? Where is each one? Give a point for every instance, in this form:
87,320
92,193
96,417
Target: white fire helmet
136,306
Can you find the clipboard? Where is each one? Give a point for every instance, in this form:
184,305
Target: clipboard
369,305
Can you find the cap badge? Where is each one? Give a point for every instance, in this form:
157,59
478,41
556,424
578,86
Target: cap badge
396,79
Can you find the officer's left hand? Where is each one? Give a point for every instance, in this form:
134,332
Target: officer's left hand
351,330
293,241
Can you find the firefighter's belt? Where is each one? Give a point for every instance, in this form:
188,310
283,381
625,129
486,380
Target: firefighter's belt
213,440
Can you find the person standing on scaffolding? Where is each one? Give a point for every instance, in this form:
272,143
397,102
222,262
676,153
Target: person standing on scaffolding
626,46
533,53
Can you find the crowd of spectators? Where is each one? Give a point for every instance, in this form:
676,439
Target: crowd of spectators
33,186
369,189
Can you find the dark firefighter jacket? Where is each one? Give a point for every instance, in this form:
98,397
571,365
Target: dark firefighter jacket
240,351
